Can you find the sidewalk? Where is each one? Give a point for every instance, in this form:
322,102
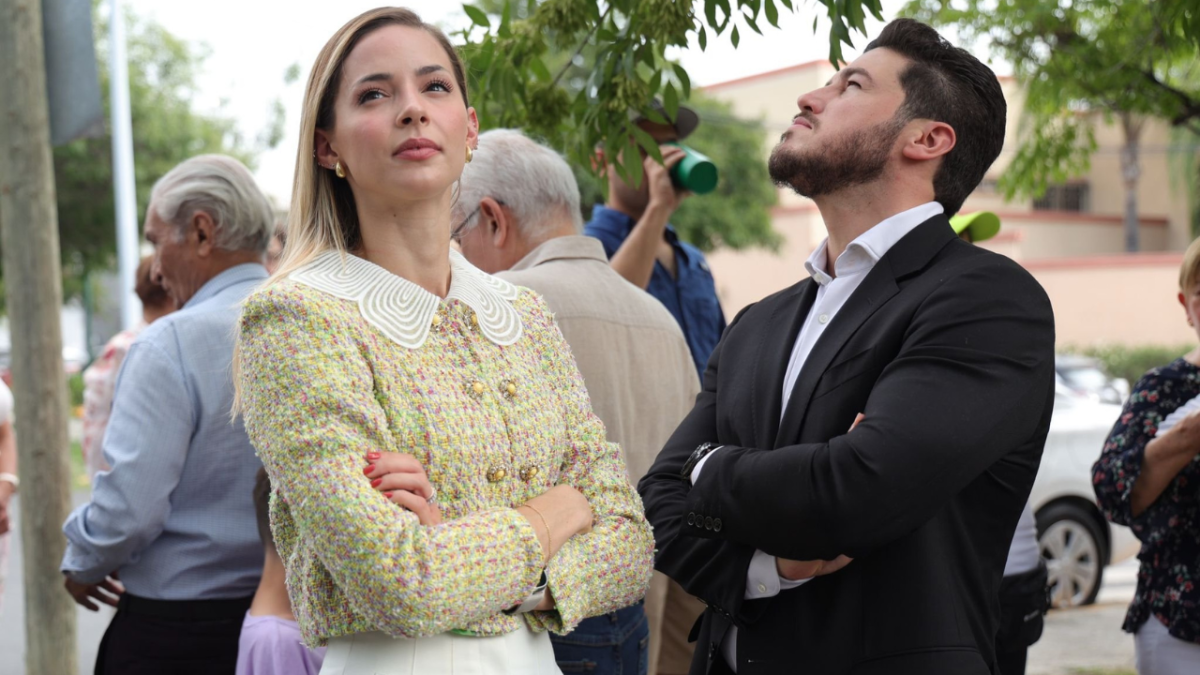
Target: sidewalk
89,625
1089,637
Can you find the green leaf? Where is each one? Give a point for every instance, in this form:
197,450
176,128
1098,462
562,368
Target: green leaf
751,22
684,80
702,37
728,14
647,143
505,29
772,13
855,16
539,69
631,164
671,101
477,16
735,38
656,81
655,116
646,56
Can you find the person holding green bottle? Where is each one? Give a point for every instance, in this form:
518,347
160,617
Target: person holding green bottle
634,226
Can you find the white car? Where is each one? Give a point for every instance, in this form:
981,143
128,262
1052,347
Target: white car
1076,541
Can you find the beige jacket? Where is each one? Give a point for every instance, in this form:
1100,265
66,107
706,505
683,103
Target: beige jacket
641,380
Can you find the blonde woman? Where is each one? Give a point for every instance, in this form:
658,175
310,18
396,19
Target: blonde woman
505,513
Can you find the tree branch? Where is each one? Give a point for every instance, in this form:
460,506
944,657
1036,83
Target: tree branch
1191,106
586,40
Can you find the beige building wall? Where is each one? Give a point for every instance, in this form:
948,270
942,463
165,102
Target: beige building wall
1127,299
1046,241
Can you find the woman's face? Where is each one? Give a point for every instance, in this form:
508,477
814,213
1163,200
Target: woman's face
1190,299
400,127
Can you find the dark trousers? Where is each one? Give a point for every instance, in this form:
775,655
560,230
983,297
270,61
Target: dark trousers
617,643
1023,602
180,637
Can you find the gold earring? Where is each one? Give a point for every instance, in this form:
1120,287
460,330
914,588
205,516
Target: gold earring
470,154
337,168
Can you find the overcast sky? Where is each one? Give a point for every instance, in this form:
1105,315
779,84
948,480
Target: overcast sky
252,43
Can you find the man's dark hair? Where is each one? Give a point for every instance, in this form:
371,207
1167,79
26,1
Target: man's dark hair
947,84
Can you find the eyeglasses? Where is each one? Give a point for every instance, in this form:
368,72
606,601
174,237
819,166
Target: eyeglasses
457,233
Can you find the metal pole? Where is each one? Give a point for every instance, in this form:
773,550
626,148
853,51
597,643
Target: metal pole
33,283
125,190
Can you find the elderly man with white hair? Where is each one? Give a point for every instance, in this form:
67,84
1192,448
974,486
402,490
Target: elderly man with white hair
518,210
174,516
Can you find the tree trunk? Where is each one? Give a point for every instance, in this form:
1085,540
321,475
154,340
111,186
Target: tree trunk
33,282
1131,171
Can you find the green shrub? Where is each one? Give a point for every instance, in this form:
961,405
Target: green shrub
75,389
1130,362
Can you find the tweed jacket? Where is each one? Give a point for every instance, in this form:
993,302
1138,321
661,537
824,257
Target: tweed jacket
343,357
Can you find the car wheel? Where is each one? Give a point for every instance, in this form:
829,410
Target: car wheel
1070,542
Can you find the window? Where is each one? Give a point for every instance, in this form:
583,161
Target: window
1071,197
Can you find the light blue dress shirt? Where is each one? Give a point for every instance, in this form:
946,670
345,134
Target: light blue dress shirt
175,514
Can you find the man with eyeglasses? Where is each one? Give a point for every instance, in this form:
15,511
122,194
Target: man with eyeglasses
518,217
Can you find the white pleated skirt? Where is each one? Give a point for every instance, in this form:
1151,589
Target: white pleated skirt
521,652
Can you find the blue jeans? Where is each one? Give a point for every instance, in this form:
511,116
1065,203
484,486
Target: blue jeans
617,643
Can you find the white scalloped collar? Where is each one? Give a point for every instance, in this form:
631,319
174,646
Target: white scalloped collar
404,311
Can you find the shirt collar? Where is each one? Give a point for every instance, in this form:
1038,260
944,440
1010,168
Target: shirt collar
230,277
869,247
402,310
572,247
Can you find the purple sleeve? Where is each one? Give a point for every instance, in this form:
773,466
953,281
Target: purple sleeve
271,646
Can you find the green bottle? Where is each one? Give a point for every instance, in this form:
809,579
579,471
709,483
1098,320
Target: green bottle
695,173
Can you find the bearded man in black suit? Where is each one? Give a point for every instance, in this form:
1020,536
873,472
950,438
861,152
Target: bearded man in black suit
843,494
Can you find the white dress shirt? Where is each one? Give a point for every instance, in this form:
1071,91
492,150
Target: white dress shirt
850,268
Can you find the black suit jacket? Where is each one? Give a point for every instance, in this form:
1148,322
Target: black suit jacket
948,350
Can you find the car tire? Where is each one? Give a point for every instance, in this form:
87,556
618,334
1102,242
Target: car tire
1072,546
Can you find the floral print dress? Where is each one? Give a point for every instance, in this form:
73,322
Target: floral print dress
1170,528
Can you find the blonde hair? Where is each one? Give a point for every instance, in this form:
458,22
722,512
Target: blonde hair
323,215
1189,271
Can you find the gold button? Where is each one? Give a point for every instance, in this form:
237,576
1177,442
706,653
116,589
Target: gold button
477,388
511,388
496,474
530,472
437,320
475,320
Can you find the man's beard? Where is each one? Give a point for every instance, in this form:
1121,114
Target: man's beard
854,158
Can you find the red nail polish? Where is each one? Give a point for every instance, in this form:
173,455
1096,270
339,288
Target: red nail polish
367,471
373,455
388,495
376,482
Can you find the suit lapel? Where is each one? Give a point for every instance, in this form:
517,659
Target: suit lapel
875,290
774,352
909,255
